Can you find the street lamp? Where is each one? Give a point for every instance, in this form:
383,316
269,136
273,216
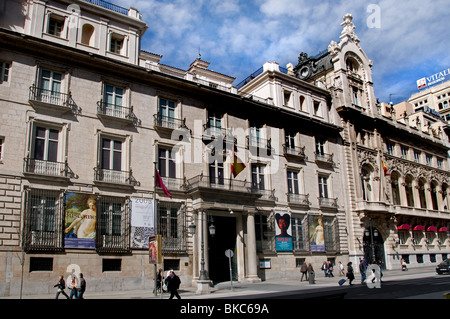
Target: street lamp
212,231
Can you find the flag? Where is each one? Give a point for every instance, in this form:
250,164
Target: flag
159,183
385,169
237,166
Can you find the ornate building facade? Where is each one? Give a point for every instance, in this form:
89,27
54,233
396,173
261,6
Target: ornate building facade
396,165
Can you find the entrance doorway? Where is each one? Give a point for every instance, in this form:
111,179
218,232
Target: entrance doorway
374,246
224,238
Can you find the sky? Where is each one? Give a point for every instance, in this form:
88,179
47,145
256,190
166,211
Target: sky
406,40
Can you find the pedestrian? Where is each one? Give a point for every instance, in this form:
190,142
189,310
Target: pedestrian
379,267
341,269
159,283
304,271
330,268
73,287
350,274
404,265
325,268
362,270
82,287
310,271
61,286
173,283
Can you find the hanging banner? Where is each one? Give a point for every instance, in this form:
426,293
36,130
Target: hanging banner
316,231
154,249
80,217
142,221
283,232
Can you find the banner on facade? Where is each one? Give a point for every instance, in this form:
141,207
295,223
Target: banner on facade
316,233
142,221
283,232
80,217
155,249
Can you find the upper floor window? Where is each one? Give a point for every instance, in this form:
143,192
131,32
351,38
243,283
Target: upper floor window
4,71
87,35
258,181
390,148
46,144
111,156
1,147
293,182
323,187
428,159
55,25
116,44
417,156
290,140
404,151
320,146
166,163
355,96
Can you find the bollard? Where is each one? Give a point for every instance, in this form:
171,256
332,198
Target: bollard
311,278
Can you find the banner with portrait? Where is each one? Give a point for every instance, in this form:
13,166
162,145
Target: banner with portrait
142,221
283,232
155,249
316,233
80,217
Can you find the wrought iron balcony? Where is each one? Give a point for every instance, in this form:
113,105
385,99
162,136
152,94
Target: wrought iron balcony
46,168
259,145
324,158
294,151
211,132
115,112
114,177
40,98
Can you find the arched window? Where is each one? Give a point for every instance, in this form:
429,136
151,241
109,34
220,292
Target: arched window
395,189
421,187
445,202
87,35
409,191
434,199
366,182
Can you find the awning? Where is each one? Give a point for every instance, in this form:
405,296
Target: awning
443,229
404,227
419,228
431,228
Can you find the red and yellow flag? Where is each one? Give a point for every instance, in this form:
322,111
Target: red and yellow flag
237,165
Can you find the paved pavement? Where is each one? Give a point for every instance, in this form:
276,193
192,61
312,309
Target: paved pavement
223,290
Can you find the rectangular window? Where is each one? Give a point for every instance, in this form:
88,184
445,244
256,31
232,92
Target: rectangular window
298,233
355,96
417,156
166,163
46,144
428,159
4,71
111,154
293,183
323,187
1,147
50,87
404,151
41,264
116,44
290,140
258,177
320,146
390,148
55,25
113,225
216,175
167,110
111,265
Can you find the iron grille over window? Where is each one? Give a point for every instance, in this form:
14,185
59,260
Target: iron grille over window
113,234
44,217
172,227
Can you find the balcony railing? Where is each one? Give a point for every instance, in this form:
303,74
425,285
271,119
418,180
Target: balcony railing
294,151
109,6
324,158
48,168
299,199
258,145
212,132
114,110
114,177
43,97
328,202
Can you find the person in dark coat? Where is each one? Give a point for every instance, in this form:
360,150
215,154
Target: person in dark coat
61,286
173,283
82,287
350,274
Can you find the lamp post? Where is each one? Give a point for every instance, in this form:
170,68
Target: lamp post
372,232
203,282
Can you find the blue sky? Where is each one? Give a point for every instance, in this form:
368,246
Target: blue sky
408,41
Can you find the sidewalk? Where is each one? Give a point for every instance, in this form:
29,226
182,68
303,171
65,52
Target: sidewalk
223,289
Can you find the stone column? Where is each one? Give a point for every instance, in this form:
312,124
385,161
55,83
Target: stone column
252,274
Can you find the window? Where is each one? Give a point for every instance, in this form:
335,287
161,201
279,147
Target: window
366,183
316,108
116,44
404,151
264,233
417,156
409,191
166,163
111,155
355,96
320,147
216,173
287,98
428,158
41,264
290,140
390,148
438,162
1,147
114,101
43,215
395,189
434,199
302,104
298,233
258,177
293,182
214,122
166,110
55,25
4,71
46,144
323,187
111,265
113,224
50,87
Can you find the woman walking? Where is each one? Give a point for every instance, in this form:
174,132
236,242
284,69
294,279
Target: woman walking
350,274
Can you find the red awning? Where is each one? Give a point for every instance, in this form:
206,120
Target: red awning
443,229
404,227
431,228
419,228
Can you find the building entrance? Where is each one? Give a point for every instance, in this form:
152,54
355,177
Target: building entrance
224,238
373,246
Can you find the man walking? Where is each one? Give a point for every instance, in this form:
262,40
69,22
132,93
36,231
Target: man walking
173,283
362,270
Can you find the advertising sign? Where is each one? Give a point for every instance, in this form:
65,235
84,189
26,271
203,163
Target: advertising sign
80,220
142,221
283,232
154,249
433,79
316,231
